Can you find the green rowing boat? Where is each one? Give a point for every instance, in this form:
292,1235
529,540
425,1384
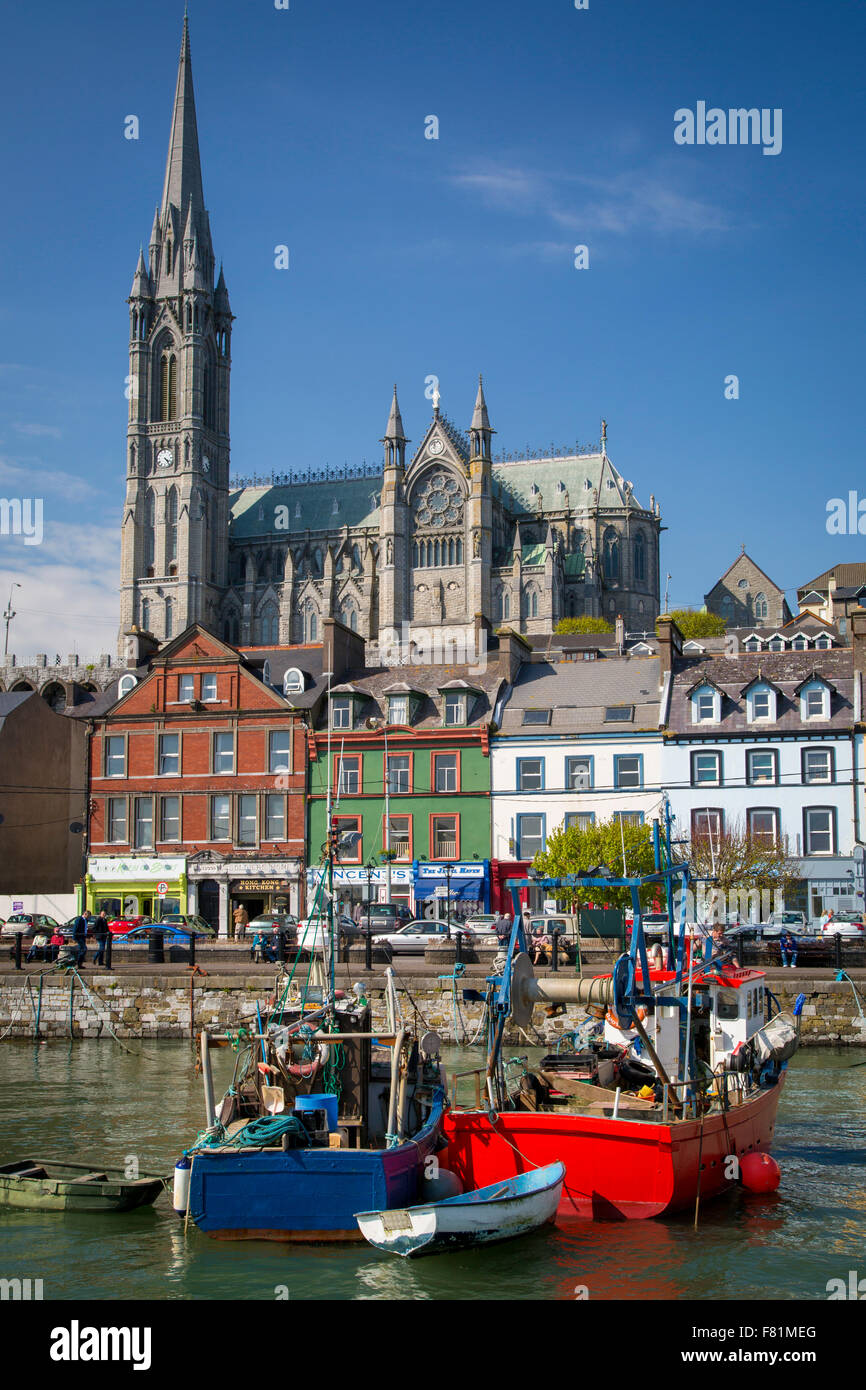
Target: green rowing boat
54,1186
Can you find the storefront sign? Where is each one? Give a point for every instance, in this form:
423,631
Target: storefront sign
456,871
377,876
259,885
140,870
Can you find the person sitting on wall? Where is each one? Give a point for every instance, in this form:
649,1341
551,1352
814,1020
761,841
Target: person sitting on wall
40,941
788,948
261,948
540,944
55,943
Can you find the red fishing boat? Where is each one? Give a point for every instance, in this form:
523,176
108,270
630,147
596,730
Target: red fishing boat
673,1079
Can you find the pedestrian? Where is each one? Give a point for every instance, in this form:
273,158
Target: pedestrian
788,947
100,931
356,915
828,917
79,936
240,921
40,941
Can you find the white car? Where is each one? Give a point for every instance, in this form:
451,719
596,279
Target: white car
417,936
312,931
851,925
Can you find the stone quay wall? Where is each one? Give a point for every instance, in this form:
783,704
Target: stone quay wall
154,1004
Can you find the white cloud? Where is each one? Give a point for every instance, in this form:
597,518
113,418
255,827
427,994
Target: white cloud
33,429
646,200
68,600
29,480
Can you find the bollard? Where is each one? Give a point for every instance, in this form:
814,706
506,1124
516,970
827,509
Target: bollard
281,946
458,947
555,960
18,936
368,948
109,940
155,952
192,949
838,948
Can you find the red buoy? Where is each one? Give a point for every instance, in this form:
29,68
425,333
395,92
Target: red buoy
759,1172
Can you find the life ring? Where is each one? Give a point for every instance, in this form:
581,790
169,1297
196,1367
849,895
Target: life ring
613,1020
304,1071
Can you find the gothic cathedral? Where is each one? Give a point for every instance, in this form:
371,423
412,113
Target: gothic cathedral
450,538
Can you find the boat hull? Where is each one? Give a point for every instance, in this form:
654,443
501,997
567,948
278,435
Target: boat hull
304,1194
621,1169
53,1195
502,1211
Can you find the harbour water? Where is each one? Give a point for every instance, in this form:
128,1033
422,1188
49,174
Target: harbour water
91,1100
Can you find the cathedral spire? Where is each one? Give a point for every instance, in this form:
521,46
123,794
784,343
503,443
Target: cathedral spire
182,189
480,433
394,438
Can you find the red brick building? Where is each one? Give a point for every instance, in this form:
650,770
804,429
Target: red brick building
198,784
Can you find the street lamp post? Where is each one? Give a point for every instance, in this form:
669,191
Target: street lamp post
8,616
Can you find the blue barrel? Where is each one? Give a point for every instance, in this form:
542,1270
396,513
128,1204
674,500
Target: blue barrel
321,1102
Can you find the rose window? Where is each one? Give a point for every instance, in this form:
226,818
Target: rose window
439,502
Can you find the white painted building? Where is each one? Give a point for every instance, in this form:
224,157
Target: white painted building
770,741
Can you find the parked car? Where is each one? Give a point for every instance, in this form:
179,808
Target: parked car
187,921
312,931
778,922
267,921
851,925
28,924
172,935
118,926
384,917
415,937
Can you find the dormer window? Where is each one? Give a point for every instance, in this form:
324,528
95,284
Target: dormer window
341,713
293,681
706,705
815,701
761,704
823,643
455,708
752,644
776,644
398,709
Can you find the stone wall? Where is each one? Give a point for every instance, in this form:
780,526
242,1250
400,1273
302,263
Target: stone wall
158,1006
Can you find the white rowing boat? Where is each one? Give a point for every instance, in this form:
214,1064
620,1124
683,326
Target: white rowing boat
506,1209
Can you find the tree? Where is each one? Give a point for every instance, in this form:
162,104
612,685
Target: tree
692,623
566,625
574,850
738,865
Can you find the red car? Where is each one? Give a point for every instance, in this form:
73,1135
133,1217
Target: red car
121,925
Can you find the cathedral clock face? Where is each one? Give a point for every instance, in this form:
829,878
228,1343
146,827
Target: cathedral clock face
165,458
436,446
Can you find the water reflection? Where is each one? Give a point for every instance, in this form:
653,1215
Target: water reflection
89,1100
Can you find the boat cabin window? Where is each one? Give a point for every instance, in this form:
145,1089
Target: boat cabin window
748,1003
727,1004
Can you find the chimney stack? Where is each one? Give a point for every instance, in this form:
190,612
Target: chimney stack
670,643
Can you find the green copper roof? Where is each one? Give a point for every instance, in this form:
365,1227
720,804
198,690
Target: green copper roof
533,554
255,510
574,566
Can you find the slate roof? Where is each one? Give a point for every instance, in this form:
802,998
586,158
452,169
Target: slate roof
429,680
305,657
317,507
846,576
786,670
578,693
10,701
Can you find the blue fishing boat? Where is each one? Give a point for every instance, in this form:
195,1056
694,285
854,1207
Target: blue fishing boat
501,1211
323,1118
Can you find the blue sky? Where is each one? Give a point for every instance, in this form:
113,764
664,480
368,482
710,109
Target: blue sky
412,257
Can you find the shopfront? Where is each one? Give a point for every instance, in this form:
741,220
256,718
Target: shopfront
128,886
361,885
218,886
835,884
459,889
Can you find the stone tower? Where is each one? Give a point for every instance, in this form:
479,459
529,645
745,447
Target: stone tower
174,552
